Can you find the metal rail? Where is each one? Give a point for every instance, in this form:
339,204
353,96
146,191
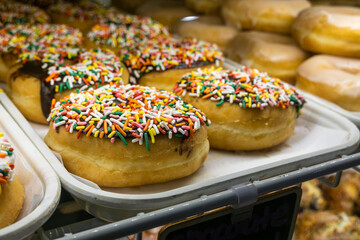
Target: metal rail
237,196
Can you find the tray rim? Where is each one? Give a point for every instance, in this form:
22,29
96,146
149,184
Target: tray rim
352,116
48,178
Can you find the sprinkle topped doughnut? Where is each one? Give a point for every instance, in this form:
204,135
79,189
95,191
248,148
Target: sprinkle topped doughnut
7,161
163,53
23,38
84,10
18,13
135,112
123,31
68,68
245,86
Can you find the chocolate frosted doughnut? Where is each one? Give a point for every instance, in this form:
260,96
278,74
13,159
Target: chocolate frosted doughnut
128,135
249,110
53,73
152,56
17,39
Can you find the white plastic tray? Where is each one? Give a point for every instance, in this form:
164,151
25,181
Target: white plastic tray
320,135
352,116
42,186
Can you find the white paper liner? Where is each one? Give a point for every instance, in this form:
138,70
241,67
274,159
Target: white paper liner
312,133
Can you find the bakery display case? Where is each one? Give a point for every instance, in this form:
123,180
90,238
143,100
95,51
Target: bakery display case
231,194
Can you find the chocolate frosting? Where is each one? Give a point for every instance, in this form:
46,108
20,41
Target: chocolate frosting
47,91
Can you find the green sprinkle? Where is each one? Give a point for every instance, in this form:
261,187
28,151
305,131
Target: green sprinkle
76,110
221,102
122,138
147,141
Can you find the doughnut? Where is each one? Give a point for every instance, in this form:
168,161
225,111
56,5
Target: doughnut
167,12
12,191
327,225
15,39
128,135
335,79
276,54
18,13
346,196
312,197
152,56
330,30
264,15
206,28
249,110
204,6
54,73
82,15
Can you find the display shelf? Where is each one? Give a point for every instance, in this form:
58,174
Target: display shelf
238,196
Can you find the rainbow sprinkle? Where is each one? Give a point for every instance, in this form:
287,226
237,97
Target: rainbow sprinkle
17,13
129,113
246,87
88,69
145,46
7,160
18,39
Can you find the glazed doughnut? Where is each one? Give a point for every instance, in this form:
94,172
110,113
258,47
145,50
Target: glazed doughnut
16,39
204,6
207,28
263,15
41,77
249,110
17,13
327,225
329,30
335,79
12,191
312,197
128,135
82,15
276,54
167,12
152,56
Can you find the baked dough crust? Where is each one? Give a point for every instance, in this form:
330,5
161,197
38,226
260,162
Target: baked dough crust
330,30
236,128
11,201
207,28
116,165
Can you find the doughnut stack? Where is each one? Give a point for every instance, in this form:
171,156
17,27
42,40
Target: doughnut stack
333,33
267,44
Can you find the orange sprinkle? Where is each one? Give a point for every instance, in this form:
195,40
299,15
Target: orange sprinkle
126,123
102,134
120,130
147,125
105,127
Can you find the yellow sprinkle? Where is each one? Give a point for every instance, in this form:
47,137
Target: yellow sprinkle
1,91
153,131
1,134
157,119
96,133
111,134
80,127
91,122
137,117
95,119
152,136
